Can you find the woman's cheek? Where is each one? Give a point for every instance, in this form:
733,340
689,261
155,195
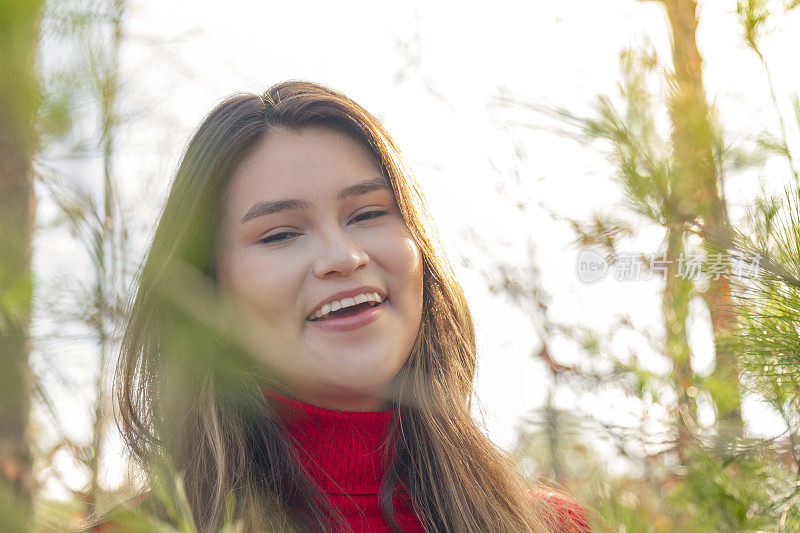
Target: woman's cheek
260,279
410,256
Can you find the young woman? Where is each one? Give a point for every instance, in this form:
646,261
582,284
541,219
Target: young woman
299,348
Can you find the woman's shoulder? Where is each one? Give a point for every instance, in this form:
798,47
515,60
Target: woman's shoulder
571,516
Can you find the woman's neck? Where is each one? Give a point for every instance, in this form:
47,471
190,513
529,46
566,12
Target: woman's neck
344,401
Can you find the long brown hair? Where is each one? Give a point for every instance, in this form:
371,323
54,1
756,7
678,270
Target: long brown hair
188,393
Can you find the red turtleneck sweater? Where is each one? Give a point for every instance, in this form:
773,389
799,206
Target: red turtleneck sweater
343,452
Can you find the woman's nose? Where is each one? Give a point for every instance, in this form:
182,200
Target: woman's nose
339,253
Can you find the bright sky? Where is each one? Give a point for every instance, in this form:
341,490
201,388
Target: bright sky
430,72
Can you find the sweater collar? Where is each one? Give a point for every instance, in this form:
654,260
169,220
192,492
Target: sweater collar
342,450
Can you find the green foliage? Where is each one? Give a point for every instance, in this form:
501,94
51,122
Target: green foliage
624,503
591,343
772,144
746,491
642,154
730,494
796,106
553,437
752,17
767,340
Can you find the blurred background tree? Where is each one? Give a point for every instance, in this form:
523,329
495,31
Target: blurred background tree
76,128
81,44
19,99
702,477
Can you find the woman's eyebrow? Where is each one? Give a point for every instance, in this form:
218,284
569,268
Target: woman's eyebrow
269,207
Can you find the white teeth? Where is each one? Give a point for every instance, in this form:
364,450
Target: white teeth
346,302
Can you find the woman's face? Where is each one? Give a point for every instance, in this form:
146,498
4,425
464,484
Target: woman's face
279,261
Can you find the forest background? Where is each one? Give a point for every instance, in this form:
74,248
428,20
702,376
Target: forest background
626,227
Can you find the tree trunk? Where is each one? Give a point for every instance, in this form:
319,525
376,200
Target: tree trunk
675,309
693,141
19,37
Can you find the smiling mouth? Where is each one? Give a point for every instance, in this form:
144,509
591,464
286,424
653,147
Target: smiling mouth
348,311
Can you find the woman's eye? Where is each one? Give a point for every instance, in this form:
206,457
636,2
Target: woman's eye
274,238
375,214
286,235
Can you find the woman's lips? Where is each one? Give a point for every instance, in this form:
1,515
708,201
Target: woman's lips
347,323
